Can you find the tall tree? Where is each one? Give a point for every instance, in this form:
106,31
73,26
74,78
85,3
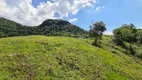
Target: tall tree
96,31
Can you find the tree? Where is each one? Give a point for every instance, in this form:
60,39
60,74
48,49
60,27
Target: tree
139,36
96,31
126,32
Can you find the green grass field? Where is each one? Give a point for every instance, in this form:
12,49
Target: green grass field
64,58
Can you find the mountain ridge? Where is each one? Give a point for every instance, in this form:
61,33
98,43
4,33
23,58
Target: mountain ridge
50,27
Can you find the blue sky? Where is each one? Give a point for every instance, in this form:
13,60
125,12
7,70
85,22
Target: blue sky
114,13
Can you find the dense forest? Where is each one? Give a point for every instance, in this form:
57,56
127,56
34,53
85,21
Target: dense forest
49,27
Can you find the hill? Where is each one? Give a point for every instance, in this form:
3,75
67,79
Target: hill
49,27
11,28
64,58
52,27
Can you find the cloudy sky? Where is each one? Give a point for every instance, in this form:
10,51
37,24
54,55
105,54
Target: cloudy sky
114,13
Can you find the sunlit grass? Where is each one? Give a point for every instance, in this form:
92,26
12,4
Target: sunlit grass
64,58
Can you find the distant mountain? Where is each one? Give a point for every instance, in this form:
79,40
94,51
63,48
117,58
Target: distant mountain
49,27
59,28
50,22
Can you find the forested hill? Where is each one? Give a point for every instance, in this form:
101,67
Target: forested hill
60,28
49,27
11,28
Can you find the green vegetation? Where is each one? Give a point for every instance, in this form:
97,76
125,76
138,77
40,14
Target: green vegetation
10,28
96,31
64,58
60,28
117,57
126,33
130,38
49,27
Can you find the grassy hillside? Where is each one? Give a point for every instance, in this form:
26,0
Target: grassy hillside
64,58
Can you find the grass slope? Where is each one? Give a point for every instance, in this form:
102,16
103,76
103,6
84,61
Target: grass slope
63,58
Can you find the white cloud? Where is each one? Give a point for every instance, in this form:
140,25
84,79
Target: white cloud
73,20
108,33
22,11
99,8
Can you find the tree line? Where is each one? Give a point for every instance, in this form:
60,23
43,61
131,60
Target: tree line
49,27
126,33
